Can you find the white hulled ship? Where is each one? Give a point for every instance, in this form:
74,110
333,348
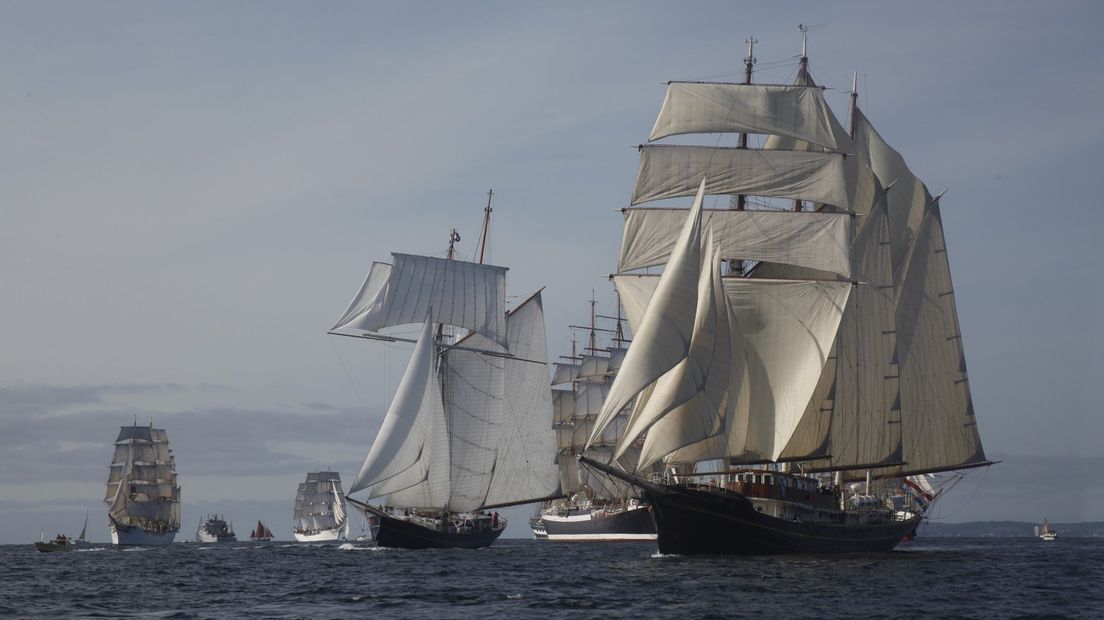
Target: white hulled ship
320,509
214,529
468,429
597,506
793,366
143,497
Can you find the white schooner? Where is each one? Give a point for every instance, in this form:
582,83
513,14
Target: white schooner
468,429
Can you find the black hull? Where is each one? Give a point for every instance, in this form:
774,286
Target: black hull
402,534
692,521
633,524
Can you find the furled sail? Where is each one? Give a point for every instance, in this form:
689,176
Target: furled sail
796,111
814,240
451,292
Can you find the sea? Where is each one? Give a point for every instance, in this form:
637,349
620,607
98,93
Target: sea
925,578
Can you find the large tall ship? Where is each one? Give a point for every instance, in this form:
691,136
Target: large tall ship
320,509
596,507
798,362
468,429
143,497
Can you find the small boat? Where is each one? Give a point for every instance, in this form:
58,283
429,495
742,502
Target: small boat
261,533
1046,533
61,542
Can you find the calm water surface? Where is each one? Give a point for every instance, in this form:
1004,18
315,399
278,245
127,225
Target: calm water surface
932,578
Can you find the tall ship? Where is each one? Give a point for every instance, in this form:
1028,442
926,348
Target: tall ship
468,429
320,513
596,507
143,497
799,360
214,529
261,533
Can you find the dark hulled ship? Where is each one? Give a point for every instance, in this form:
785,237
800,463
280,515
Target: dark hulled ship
472,407
797,368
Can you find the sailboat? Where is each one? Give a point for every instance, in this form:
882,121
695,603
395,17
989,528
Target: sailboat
597,507
468,429
261,533
1045,532
800,354
61,542
143,497
320,509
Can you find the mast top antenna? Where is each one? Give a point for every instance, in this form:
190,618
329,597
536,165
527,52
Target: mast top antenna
750,59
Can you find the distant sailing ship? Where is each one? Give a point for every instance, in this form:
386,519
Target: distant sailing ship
468,429
792,367
598,507
261,533
320,509
1045,532
214,529
143,497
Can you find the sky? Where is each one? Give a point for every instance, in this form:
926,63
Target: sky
192,192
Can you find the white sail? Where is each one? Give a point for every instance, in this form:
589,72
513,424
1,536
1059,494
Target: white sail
593,367
564,373
338,504
795,111
691,401
523,468
856,404
460,293
781,333
907,198
474,390
563,405
663,338
399,456
938,427
367,299
815,240
670,171
589,398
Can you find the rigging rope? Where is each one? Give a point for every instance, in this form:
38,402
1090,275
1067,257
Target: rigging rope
348,374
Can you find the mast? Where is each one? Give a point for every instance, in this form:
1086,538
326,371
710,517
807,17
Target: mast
736,266
853,113
749,62
803,75
486,225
